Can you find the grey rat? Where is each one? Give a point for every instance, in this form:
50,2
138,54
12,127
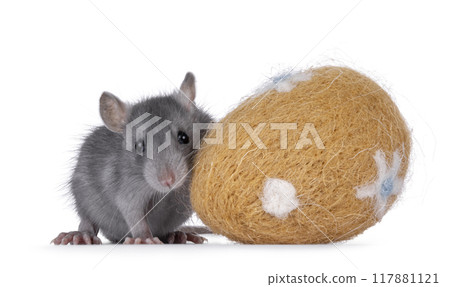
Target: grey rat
114,188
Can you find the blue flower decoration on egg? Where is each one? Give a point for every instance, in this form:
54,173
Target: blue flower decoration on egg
386,184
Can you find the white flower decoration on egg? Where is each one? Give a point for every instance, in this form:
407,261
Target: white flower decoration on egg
279,197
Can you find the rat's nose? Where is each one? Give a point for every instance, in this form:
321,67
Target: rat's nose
167,178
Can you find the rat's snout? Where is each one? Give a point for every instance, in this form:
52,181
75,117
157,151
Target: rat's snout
166,172
167,178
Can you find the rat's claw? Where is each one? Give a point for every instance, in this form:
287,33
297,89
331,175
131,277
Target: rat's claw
156,240
58,239
180,237
87,239
139,240
67,239
129,240
171,238
195,238
96,240
76,238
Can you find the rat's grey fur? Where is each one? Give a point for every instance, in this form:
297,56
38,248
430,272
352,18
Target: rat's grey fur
114,188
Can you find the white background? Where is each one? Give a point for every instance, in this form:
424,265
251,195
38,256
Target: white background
56,57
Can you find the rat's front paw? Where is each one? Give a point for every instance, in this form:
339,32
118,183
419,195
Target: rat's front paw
180,237
139,240
76,238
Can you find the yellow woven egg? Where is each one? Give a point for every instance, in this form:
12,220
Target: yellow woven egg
318,157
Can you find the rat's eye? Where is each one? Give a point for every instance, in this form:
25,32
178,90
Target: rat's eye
183,138
139,147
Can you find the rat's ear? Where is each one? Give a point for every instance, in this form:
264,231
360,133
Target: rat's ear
187,90
113,112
